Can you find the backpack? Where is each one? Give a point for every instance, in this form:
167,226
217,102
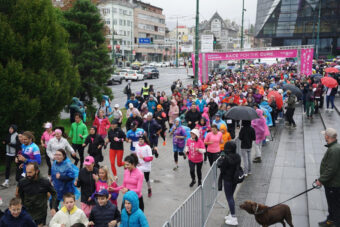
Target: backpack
125,90
239,175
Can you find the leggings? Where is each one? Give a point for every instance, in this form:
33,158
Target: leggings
80,149
212,157
9,160
120,162
229,189
198,170
48,162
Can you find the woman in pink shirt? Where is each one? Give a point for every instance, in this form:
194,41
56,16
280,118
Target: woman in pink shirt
173,112
46,136
195,149
213,141
133,179
102,123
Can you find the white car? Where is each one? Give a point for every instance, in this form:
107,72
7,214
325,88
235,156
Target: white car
134,75
124,73
153,64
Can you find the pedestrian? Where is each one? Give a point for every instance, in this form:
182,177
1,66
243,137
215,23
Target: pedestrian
230,162
12,148
95,145
78,133
145,91
173,112
116,138
144,154
102,124
290,109
69,214
63,175
192,117
16,215
330,96
213,141
117,115
132,215
152,104
104,213
105,108
87,183
127,90
330,177
218,121
133,101
310,99
161,118
56,143
105,181
133,179
131,110
45,138
34,192
225,136
179,141
133,117
195,149
200,102
247,136
261,132
30,151
140,100
213,108
152,130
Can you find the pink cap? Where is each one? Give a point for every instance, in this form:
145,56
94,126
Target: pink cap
89,160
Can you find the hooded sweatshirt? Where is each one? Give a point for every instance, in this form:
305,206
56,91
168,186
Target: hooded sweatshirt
136,218
260,126
230,160
12,142
225,136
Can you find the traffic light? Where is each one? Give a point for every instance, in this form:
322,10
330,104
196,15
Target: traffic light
215,40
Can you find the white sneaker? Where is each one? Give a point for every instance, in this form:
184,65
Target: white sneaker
5,184
232,221
228,217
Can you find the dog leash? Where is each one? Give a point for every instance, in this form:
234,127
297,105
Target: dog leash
314,186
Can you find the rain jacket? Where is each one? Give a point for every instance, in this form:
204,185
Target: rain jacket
195,150
76,129
76,215
265,107
201,104
260,126
206,116
329,168
68,173
225,136
102,125
179,131
24,220
137,217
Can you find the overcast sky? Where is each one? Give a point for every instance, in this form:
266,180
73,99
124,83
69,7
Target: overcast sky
186,9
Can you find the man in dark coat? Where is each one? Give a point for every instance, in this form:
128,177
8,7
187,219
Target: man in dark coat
193,116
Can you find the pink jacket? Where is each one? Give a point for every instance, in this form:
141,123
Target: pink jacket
46,137
206,115
102,125
260,126
133,180
173,112
193,150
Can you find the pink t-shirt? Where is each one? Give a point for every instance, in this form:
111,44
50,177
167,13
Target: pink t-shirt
46,137
193,146
216,139
133,180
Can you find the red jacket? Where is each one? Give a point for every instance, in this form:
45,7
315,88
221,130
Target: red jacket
102,125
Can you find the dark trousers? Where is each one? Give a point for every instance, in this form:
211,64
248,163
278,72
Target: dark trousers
333,201
80,149
290,115
9,161
48,162
317,105
212,157
229,189
274,116
330,98
198,170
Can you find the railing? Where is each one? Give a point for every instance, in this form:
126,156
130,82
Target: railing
196,209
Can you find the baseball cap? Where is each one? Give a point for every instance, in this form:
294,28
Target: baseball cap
330,132
89,160
48,125
102,192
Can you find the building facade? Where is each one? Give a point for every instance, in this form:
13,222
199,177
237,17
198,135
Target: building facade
118,16
295,22
149,32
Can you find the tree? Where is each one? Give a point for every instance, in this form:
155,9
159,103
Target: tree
37,78
90,53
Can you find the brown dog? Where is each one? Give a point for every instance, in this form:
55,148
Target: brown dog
267,217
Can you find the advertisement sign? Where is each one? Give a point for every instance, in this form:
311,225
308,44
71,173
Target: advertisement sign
144,40
207,43
187,48
306,61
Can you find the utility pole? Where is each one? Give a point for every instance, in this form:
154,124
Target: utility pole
113,39
177,44
241,61
196,43
131,43
318,34
313,34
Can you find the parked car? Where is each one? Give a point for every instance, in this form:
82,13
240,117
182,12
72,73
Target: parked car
153,64
159,64
134,75
124,73
115,78
150,73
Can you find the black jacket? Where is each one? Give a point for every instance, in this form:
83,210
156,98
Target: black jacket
87,185
247,136
132,119
193,117
101,216
213,108
230,161
94,141
117,132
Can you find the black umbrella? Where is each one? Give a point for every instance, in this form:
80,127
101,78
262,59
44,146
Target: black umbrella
294,89
317,78
241,113
316,74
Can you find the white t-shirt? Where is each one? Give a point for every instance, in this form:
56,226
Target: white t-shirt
145,151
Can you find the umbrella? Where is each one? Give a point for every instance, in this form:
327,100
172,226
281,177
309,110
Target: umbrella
278,98
317,78
317,74
295,90
329,82
332,70
241,113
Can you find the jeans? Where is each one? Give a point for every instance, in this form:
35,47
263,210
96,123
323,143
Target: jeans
330,98
198,170
212,157
229,189
290,115
246,157
333,201
258,150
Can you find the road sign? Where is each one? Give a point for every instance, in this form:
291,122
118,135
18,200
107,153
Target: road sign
207,43
144,40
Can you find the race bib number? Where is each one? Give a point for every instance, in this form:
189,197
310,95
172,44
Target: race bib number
229,121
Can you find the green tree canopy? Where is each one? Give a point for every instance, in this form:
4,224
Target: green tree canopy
37,77
90,53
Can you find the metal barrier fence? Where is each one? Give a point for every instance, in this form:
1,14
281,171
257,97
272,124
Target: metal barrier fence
196,209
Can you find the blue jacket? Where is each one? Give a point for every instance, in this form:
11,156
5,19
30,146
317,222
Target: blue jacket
134,102
137,217
150,105
266,112
24,220
219,123
68,173
102,216
201,104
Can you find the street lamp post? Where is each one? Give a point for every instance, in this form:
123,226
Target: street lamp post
318,34
177,44
196,43
242,30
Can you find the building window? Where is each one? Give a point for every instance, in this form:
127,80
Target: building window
107,22
121,11
114,21
105,11
120,22
114,10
